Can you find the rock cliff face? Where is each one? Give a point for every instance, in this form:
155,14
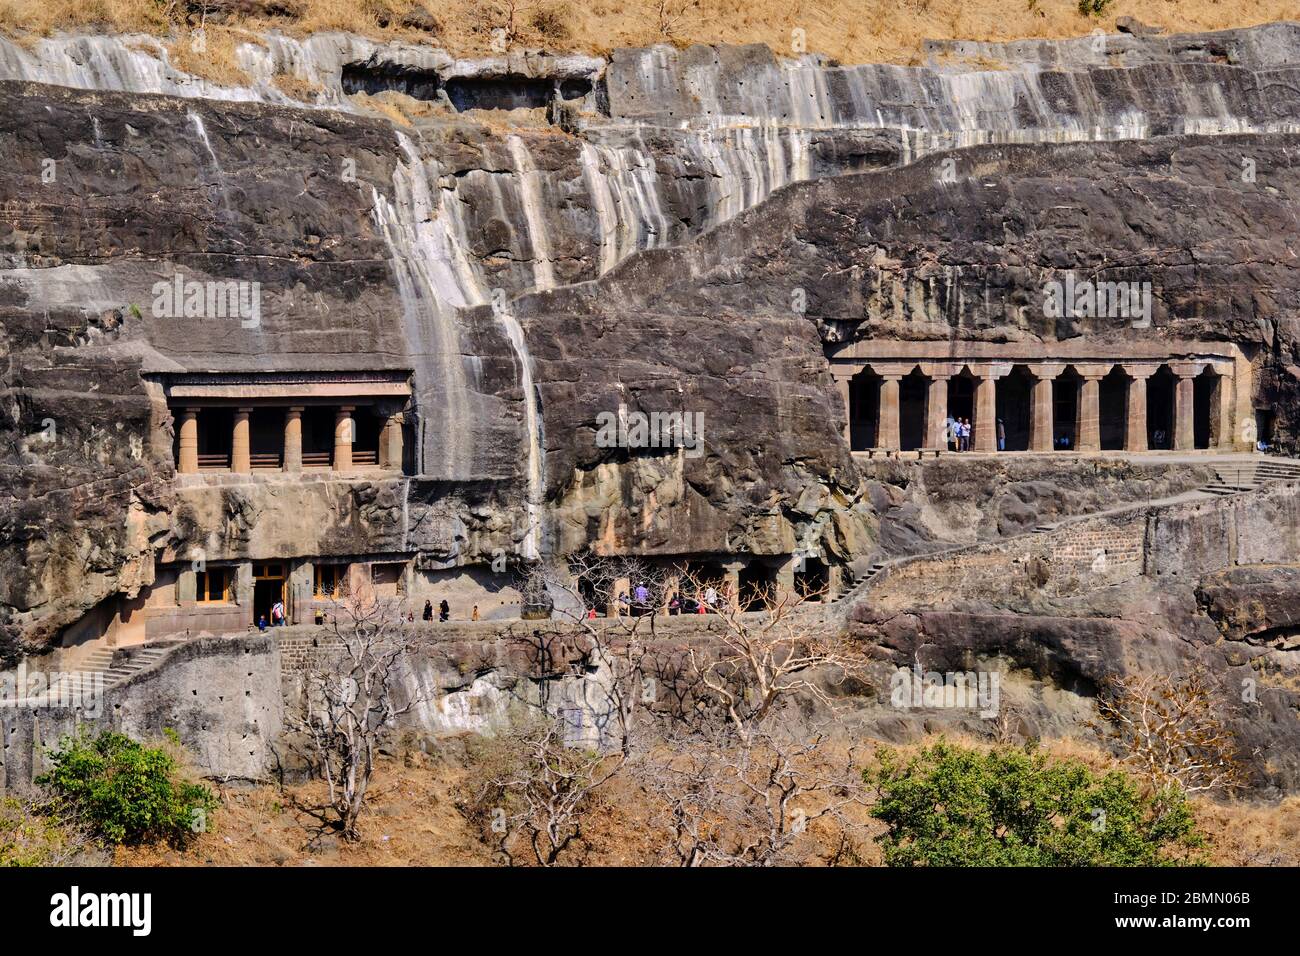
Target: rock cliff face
663,230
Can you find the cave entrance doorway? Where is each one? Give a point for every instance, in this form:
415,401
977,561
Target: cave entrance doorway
1014,406
864,410
266,438
1205,399
756,580
961,398
1263,427
1065,410
1112,409
812,582
268,588
913,390
1160,409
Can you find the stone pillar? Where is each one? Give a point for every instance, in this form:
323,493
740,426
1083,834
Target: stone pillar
844,387
239,460
985,426
189,442
729,592
1088,426
1087,431
1135,421
293,438
390,443
887,433
1221,409
343,433
1184,405
621,587
936,406
1041,433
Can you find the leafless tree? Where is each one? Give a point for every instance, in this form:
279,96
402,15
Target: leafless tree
349,700
740,784
671,13
614,603
1169,731
536,791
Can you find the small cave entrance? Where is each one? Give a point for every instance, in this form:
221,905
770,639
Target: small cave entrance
812,582
317,436
1065,410
365,437
864,410
756,583
1014,407
216,436
1112,403
961,401
373,77
913,392
511,92
1160,409
266,438
1205,399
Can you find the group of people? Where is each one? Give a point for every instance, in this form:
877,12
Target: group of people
639,602
958,434
444,611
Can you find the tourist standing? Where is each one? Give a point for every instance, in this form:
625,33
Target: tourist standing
473,615
428,610
277,614
444,611
1002,436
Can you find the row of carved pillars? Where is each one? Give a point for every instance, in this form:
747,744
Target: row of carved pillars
390,440
1041,423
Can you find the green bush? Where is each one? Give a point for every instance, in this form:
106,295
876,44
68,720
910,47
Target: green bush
960,806
127,792
1093,8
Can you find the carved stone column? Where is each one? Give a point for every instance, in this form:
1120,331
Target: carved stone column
293,438
984,429
843,386
239,459
1041,432
343,435
1185,405
887,433
1221,408
1087,432
1135,422
390,443
936,405
189,442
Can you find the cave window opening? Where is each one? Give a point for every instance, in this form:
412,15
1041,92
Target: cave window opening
365,437
216,427
266,438
212,585
317,436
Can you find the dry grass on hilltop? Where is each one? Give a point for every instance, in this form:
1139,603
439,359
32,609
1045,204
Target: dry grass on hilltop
852,31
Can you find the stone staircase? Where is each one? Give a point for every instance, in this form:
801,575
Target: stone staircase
1247,475
100,669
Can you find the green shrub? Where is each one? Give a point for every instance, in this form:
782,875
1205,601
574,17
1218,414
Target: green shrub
1093,8
960,806
127,792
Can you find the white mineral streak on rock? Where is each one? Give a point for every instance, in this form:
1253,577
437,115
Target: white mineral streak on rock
434,277
530,197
